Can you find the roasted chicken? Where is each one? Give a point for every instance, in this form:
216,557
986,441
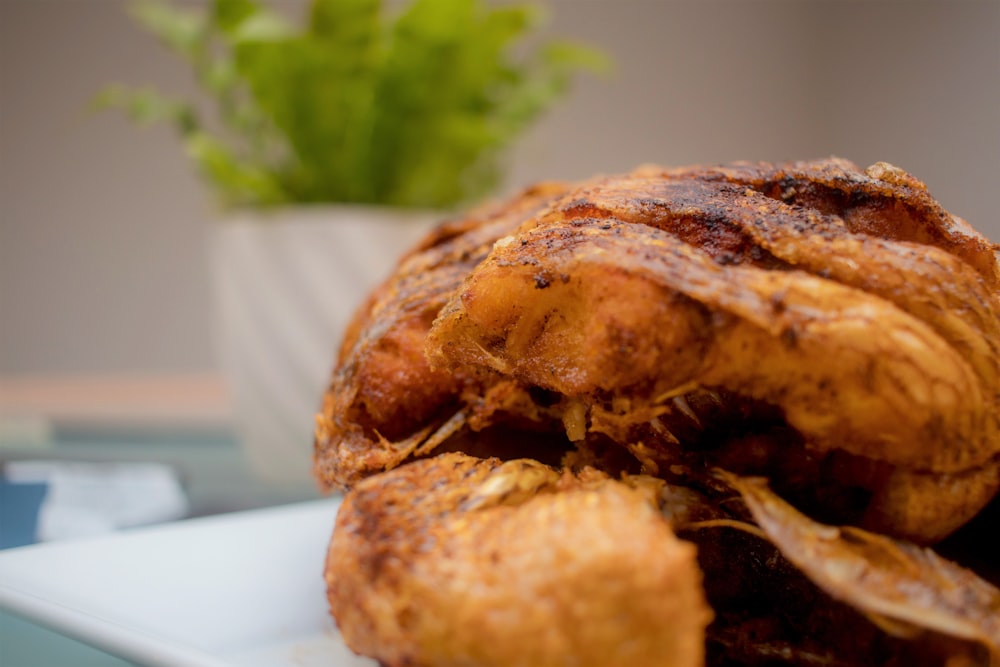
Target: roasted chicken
830,329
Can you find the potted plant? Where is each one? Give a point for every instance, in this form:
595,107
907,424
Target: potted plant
331,147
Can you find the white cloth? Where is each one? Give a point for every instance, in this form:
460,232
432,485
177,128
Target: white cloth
86,499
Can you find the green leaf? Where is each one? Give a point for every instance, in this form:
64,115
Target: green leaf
237,183
572,56
344,23
411,107
228,15
245,20
146,106
182,30
318,89
262,26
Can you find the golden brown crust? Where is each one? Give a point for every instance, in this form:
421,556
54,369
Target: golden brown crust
628,299
460,561
630,311
872,242
382,389
833,329
882,201
642,287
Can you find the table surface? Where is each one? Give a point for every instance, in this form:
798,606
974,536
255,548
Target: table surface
236,590
179,420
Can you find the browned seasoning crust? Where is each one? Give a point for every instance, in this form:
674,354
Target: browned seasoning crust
383,391
831,329
457,561
850,302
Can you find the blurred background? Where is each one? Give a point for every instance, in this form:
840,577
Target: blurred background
103,227
106,340
107,348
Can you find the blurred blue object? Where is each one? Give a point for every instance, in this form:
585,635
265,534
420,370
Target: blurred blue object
19,505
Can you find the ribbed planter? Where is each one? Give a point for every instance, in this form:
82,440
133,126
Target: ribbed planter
285,284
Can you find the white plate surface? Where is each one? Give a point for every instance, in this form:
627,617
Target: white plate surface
238,589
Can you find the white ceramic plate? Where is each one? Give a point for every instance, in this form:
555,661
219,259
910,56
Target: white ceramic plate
238,589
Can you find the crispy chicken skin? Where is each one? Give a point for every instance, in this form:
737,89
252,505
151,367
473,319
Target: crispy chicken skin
907,590
462,561
648,286
383,392
848,302
793,340
628,342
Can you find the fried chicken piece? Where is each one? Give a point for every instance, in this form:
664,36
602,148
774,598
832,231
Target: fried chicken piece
822,218
424,553
905,590
643,289
610,308
384,399
833,329
909,417
735,224
462,561
768,612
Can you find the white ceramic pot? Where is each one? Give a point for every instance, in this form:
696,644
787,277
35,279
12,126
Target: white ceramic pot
285,284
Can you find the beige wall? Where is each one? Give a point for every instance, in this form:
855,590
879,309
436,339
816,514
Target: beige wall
102,226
